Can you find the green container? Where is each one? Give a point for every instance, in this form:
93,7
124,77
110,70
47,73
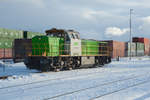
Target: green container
1,44
7,33
139,46
47,46
17,34
6,43
90,48
139,49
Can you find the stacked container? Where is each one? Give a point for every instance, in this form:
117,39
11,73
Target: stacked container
7,33
146,44
139,49
29,35
127,49
6,42
5,53
7,37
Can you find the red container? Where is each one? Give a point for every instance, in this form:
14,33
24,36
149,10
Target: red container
116,48
135,39
5,53
146,43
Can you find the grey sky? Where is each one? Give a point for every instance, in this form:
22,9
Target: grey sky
97,19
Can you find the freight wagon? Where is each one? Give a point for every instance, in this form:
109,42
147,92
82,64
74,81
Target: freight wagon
63,49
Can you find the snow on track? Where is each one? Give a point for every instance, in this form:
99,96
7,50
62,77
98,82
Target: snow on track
103,87
107,83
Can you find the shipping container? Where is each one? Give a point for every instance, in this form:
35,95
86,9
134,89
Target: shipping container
8,33
127,49
139,49
135,39
21,49
6,53
17,34
29,35
6,42
146,43
7,37
117,48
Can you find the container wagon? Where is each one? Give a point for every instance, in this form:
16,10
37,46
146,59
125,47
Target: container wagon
63,49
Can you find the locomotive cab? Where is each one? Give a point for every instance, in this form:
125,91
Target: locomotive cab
72,41
73,44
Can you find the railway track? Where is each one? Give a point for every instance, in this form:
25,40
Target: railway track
72,76
4,77
141,83
11,75
101,85
15,88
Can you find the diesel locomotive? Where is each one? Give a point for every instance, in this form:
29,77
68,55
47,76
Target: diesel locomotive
63,49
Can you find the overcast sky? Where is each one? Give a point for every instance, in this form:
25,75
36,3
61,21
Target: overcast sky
96,19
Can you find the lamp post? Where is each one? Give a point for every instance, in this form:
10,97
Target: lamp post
130,32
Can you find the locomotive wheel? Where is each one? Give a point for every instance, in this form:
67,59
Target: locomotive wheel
100,65
70,68
56,69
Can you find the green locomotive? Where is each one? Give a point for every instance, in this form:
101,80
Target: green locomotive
63,49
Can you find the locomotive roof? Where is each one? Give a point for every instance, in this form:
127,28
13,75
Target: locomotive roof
54,30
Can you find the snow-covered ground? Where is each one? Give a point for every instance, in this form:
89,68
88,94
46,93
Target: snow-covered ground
120,80
10,69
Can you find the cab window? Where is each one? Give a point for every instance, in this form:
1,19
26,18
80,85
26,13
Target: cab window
77,37
72,36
